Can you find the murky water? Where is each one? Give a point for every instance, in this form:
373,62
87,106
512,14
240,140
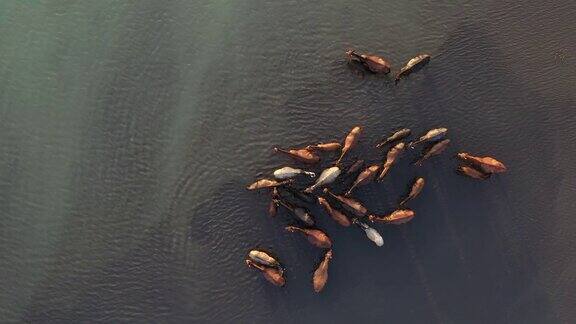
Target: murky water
128,131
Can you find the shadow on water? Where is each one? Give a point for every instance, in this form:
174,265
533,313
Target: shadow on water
468,256
489,229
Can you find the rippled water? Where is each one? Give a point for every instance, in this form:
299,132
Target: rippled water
128,131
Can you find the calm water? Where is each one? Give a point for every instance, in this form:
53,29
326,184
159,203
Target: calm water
129,129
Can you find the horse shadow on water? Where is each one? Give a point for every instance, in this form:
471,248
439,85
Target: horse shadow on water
490,231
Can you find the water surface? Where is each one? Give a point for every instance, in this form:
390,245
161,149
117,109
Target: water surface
128,131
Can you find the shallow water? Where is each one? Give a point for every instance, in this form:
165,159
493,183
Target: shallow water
128,132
